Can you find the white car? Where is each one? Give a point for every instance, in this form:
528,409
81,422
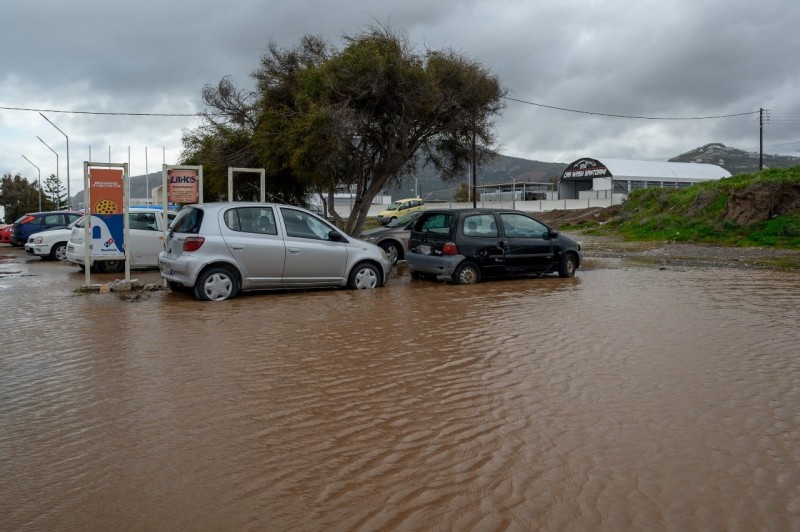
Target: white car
146,241
51,244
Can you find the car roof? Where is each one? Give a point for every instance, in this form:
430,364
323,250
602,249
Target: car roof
51,212
225,204
470,210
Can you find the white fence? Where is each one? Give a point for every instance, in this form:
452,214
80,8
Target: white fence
525,206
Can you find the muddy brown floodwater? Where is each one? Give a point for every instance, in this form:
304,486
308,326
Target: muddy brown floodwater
630,397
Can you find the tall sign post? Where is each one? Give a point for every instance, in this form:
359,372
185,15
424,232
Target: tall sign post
106,226
263,181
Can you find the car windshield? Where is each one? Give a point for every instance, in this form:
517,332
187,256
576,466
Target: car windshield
393,207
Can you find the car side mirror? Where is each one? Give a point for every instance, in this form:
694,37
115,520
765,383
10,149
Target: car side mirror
336,236
552,233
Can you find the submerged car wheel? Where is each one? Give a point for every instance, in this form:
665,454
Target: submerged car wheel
467,273
59,251
216,284
364,275
392,251
569,263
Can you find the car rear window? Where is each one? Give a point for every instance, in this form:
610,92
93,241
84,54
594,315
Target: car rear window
438,222
480,225
188,220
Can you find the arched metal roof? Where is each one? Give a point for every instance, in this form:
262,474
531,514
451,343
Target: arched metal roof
625,170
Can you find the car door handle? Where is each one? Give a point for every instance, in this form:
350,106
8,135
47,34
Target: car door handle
237,246
294,251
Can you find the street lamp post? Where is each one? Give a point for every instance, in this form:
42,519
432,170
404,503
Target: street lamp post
40,181
58,180
69,195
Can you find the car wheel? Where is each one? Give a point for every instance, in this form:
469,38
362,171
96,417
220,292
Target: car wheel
110,266
467,273
364,275
216,284
569,263
59,251
393,250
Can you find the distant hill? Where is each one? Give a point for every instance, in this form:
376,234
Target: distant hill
733,160
502,169
505,169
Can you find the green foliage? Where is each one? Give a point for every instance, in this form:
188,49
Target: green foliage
18,197
703,212
54,193
360,118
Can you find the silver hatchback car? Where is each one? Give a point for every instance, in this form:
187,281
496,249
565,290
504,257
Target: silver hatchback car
218,249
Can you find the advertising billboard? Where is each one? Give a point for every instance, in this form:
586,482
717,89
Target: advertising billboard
106,191
182,185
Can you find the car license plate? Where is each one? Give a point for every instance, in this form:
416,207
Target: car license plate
424,249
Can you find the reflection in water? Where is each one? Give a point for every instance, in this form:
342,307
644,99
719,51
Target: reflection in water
625,398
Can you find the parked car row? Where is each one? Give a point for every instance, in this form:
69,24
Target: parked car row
217,250
35,222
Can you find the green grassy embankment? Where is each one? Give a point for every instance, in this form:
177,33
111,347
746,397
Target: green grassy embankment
760,209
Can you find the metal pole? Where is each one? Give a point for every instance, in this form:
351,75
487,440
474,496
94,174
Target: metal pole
514,193
69,195
58,189
40,181
474,175
146,171
760,139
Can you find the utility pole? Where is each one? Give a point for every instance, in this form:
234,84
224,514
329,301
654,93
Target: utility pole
761,139
474,174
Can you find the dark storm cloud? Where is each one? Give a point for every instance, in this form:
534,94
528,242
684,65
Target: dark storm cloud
637,57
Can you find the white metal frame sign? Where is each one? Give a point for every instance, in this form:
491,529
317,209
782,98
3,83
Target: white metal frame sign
106,225
262,190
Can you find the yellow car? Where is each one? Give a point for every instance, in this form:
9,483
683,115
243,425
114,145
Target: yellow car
399,208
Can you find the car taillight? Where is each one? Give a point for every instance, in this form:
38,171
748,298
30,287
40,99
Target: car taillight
449,249
193,243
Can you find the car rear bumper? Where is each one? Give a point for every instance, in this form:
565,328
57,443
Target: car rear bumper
433,264
183,271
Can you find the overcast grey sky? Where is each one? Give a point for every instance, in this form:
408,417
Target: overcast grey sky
676,58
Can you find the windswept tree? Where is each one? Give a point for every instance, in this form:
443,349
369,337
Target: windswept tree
357,119
18,196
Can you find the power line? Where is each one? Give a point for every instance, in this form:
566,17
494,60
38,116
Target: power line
505,97
629,116
95,112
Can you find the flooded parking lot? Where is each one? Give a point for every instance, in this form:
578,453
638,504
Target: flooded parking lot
628,397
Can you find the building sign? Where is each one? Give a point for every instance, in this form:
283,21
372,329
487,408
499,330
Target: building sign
586,168
106,193
182,186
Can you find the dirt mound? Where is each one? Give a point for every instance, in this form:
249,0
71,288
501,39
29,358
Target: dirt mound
757,203
559,218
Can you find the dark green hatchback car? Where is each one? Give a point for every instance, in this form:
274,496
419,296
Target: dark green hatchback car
467,245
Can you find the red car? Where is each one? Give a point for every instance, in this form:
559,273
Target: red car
5,234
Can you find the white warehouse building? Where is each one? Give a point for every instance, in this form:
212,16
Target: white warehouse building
593,178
